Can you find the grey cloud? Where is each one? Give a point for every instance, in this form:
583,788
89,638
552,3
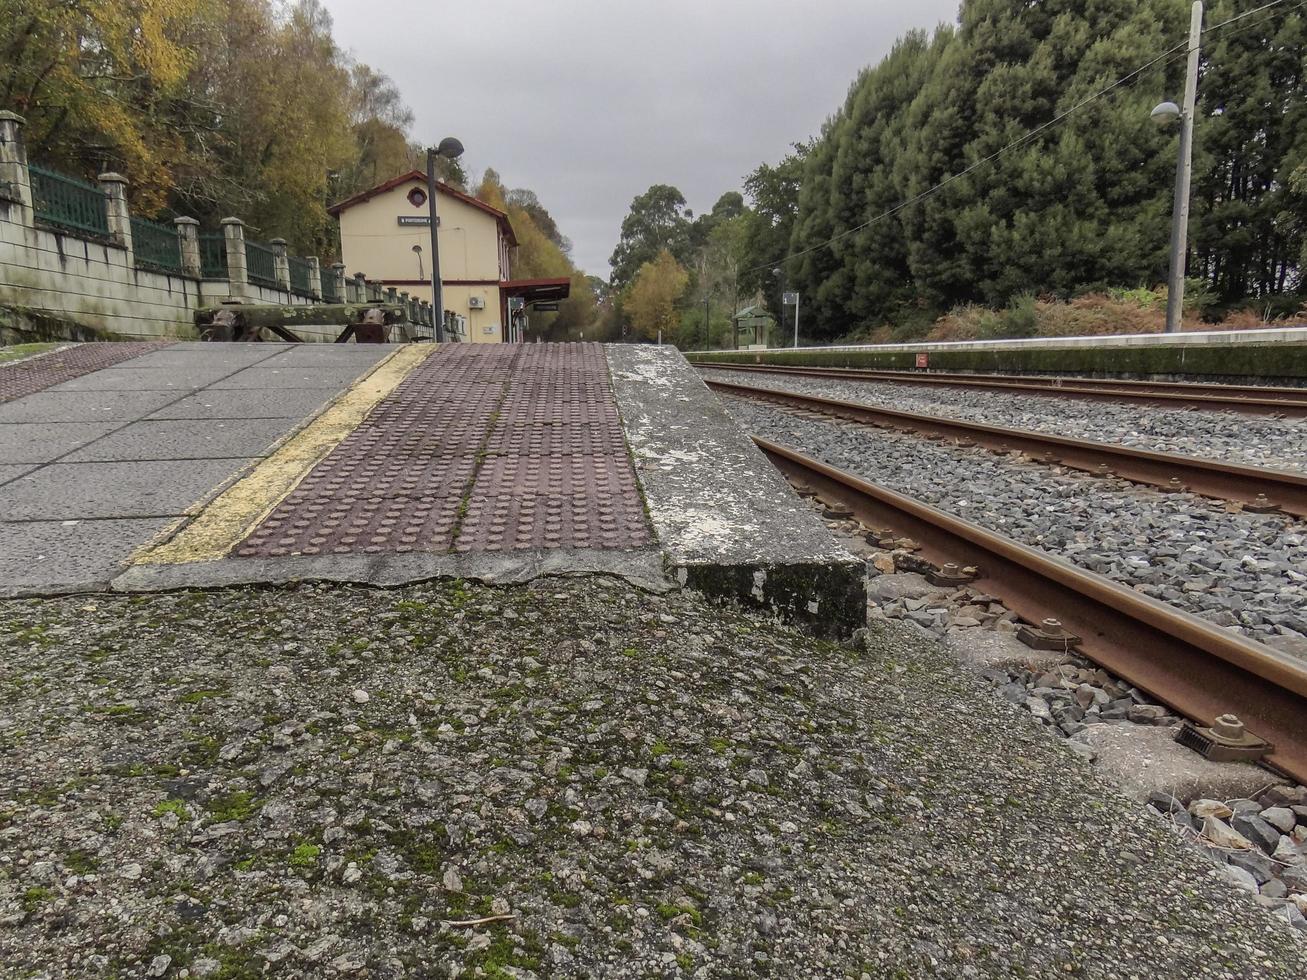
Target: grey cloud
589,102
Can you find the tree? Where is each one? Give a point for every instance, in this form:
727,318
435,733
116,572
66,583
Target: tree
774,195
650,302
657,221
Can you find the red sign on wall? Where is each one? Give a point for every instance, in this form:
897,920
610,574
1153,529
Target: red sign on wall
923,360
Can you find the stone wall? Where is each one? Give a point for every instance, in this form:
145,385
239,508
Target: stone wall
60,282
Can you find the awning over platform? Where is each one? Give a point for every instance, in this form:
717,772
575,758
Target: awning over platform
537,290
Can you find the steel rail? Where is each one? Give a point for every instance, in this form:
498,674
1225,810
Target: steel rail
1197,669
1255,485
1291,402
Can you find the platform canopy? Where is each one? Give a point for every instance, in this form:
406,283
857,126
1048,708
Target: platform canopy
538,290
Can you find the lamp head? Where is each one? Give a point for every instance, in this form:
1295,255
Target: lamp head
450,148
417,248
1165,113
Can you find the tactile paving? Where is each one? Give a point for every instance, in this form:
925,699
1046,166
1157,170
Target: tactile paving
30,376
481,448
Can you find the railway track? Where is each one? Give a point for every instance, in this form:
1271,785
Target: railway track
1198,670
1289,402
1256,487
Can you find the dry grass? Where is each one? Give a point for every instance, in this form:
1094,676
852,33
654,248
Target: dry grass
1094,314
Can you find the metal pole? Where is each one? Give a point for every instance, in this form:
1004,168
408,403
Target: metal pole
437,292
1183,171
707,330
796,319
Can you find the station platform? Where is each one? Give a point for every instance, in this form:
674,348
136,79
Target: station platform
160,466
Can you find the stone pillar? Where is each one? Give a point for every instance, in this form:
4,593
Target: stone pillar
407,303
315,277
337,274
15,182
360,288
392,294
233,234
280,264
117,212
188,238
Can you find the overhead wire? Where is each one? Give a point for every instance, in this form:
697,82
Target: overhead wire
1170,54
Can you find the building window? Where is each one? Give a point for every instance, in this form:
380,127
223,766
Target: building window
417,197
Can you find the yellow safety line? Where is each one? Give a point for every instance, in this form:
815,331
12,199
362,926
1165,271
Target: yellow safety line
232,515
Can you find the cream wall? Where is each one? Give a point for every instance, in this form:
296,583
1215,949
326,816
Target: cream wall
471,248
371,238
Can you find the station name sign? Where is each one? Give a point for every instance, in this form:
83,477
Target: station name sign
417,219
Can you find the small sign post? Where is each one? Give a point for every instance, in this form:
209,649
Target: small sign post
792,299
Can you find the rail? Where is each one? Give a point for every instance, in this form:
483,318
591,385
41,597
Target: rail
1197,669
1256,486
1239,398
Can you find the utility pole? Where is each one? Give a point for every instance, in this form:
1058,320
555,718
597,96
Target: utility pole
1183,172
437,293
707,330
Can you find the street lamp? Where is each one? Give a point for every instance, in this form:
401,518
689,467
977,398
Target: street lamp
417,250
450,149
1164,114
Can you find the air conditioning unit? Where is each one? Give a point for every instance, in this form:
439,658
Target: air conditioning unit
476,303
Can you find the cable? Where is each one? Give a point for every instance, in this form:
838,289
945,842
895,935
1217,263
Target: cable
1167,55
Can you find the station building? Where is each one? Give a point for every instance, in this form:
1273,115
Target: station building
386,232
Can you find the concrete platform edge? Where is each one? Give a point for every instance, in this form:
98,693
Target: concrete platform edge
727,522
642,569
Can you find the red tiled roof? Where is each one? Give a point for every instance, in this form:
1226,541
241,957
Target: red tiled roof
444,188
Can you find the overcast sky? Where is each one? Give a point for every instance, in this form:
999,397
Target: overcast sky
588,102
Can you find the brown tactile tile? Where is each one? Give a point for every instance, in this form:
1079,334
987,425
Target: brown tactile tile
30,376
530,434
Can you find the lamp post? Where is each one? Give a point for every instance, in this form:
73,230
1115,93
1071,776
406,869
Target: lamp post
1168,112
417,250
450,149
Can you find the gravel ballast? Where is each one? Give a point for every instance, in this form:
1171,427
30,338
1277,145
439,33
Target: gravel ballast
320,781
1255,440
1243,571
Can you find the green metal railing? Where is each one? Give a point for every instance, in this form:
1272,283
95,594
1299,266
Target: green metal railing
261,263
213,255
330,293
301,279
67,202
156,246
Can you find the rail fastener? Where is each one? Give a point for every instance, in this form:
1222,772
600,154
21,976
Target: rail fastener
1198,670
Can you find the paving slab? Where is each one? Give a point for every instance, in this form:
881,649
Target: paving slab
56,556
248,403
43,442
293,377
184,354
727,522
183,439
69,491
11,471
85,406
326,355
150,379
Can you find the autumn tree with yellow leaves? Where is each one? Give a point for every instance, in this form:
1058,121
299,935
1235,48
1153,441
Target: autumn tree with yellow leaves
209,107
